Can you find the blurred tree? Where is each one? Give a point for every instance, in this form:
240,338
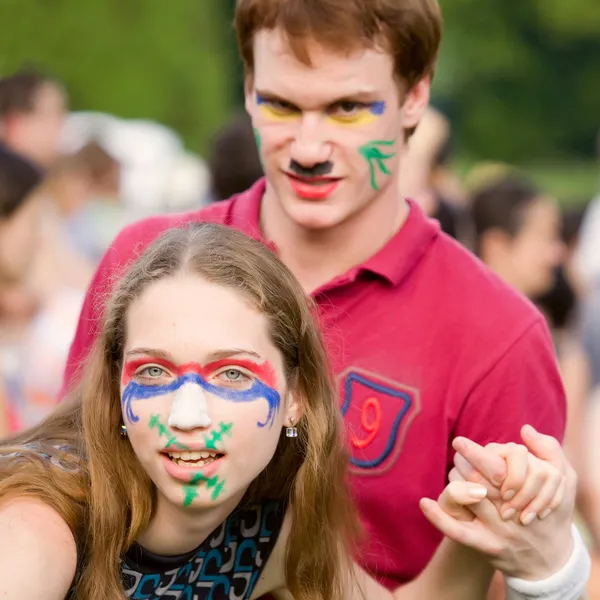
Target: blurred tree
169,61
520,79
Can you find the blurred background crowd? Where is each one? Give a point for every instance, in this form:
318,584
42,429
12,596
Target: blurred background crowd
111,111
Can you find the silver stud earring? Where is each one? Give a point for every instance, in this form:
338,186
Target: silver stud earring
123,430
291,431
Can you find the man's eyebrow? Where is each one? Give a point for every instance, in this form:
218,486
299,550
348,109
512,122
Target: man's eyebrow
366,97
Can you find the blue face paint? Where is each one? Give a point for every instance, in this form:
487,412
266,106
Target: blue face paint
136,391
377,108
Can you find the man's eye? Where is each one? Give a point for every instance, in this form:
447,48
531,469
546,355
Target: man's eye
280,106
347,108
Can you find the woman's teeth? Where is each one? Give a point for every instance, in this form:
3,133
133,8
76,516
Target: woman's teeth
198,459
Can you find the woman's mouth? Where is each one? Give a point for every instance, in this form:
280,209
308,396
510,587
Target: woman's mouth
193,459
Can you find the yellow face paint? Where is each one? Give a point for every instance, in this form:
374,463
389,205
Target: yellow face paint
275,110
364,114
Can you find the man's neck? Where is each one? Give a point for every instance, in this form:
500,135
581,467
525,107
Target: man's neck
319,256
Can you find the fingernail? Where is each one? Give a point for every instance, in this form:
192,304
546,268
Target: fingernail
497,482
508,496
545,514
477,491
528,519
507,515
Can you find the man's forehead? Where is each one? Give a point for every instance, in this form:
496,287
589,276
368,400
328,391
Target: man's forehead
330,74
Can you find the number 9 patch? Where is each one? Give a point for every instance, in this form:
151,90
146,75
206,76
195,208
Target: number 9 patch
378,413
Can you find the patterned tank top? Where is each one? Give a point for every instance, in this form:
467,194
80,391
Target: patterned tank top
226,566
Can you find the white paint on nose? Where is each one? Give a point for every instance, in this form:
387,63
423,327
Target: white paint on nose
189,409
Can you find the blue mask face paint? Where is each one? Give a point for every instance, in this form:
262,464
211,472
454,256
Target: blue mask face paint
258,390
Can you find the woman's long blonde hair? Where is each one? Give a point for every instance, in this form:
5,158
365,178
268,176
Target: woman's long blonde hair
103,493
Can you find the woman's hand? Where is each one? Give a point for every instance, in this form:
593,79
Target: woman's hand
472,511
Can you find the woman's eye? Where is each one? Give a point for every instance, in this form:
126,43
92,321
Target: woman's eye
233,376
152,372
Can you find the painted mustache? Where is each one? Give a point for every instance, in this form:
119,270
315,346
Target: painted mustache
318,170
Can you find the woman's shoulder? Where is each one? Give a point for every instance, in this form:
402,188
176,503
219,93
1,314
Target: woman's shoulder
38,554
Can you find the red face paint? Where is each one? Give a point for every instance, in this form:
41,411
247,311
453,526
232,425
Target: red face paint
263,371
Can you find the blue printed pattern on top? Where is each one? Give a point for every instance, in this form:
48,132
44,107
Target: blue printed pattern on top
226,566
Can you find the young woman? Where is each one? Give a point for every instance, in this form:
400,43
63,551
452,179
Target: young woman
202,455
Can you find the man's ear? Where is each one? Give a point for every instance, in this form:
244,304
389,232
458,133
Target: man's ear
415,103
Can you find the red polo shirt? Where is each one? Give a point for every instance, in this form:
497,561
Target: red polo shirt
427,345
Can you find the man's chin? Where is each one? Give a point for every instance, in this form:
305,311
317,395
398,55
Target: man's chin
313,217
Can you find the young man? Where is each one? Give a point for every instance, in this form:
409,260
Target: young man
32,112
427,344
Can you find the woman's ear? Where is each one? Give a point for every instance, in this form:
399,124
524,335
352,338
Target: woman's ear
293,412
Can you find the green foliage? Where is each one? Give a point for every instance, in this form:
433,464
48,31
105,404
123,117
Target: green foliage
167,61
520,79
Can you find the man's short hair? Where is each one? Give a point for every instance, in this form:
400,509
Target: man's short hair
410,30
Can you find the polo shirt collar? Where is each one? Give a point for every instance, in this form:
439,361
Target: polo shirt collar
392,263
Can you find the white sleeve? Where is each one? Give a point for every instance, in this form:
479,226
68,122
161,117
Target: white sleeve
567,584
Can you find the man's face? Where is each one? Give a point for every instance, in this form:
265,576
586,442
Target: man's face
330,134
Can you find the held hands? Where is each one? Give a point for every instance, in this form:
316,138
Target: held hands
510,502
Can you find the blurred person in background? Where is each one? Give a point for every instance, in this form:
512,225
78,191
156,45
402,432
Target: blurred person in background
19,232
427,178
84,190
234,161
518,233
33,108
587,257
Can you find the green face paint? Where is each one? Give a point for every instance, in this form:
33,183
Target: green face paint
376,158
191,490
217,436
163,431
258,140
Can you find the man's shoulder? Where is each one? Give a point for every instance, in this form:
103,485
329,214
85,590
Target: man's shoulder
476,294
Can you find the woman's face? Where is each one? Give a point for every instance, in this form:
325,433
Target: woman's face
203,390
19,235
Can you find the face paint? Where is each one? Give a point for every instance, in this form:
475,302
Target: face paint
275,110
217,436
189,409
163,431
364,114
375,157
257,139
263,387
318,170
191,490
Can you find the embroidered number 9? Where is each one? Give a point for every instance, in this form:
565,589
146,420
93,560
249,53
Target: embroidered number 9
370,421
